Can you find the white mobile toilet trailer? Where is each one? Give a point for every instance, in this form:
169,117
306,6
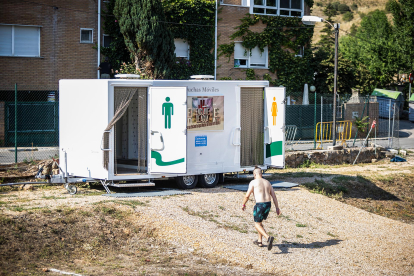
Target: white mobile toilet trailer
138,130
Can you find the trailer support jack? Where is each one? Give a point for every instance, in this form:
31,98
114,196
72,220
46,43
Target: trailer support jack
103,182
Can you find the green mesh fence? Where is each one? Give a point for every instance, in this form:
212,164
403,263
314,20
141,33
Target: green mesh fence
303,115
29,123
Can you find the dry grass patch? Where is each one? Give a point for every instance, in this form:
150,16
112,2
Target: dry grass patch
101,239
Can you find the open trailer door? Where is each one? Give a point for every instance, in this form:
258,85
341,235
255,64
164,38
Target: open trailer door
275,126
168,129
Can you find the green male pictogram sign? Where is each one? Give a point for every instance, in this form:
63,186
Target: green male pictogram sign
167,111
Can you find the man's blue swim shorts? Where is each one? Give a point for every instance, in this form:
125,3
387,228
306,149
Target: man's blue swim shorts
261,211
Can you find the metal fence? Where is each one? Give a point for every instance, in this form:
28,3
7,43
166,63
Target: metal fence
29,124
354,117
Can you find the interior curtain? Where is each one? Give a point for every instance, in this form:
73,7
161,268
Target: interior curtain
122,101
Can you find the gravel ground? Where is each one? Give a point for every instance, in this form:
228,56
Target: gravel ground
315,235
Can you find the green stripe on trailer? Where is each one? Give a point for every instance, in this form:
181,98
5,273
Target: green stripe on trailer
275,148
158,160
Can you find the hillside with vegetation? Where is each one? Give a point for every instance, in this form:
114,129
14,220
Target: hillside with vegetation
349,12
375,45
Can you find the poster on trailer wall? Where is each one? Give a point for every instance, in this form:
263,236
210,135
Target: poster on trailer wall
205,113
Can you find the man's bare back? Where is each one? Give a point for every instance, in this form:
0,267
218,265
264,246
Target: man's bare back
262,190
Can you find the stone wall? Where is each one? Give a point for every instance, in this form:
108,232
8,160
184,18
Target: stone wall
335,157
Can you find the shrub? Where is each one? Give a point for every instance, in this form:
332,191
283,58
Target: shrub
348,16
388,5
336,5
343,8
354,7
362,15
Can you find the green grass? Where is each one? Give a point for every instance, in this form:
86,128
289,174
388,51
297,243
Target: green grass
300,225
343,179
52,197
285,217
319,186
8,196
300,174
85,213
131,203
206,215
299,236
17,208
330,234
87,193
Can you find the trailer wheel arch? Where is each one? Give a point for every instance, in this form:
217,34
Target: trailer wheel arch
208,180
187,181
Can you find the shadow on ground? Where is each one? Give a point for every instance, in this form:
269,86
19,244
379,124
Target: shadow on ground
284,247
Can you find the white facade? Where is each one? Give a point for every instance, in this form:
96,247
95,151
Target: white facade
191,128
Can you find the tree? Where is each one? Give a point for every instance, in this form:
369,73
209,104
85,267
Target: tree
348,16
373,46
142,23
117,51
349,75
403,17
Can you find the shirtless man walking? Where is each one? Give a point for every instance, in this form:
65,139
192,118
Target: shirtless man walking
263,193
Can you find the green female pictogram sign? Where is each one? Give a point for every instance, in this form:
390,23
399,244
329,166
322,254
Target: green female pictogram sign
167,111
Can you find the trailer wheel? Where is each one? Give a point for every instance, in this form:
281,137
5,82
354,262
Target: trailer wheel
208,180
187,181
72,189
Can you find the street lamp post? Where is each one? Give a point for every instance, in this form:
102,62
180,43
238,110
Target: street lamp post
311,20
313,89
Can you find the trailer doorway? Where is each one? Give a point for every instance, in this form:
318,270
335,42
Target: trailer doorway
252,126
130,133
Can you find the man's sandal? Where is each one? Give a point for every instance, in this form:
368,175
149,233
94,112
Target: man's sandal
258,243
270,243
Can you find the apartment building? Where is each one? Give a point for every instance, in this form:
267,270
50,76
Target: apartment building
42,41
232,11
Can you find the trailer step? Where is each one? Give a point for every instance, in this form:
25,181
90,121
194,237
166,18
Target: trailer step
141,184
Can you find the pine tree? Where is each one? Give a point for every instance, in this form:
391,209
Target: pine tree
403,16
142,23
116,52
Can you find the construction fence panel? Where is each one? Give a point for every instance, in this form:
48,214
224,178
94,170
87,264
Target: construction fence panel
305,115
363,111
29,124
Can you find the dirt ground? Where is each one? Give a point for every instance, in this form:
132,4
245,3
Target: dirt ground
44,229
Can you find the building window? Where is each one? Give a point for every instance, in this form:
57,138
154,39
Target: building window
182,50
277,7
245,58
86,35
107,39
300,52
20,41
